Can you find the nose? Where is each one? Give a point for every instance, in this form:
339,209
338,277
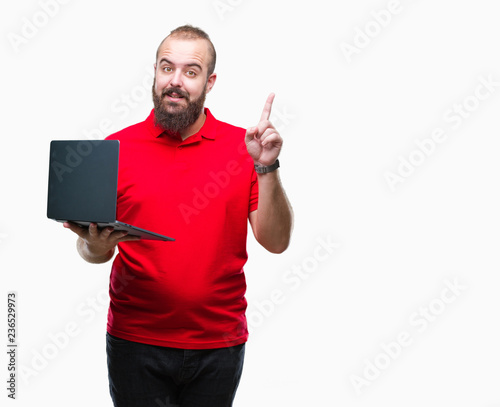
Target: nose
176,79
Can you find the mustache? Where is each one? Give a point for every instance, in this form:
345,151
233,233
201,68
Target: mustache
171,91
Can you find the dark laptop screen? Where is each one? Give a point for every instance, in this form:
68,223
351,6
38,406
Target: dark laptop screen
83,177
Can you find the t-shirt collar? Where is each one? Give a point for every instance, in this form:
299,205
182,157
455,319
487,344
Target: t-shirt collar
207,131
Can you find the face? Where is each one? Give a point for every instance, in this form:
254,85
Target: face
181,82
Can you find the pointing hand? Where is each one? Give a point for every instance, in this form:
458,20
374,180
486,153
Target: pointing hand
263,141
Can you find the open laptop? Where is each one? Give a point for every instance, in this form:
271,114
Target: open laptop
83,182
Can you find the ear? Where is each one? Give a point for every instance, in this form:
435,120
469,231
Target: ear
154,75
211,82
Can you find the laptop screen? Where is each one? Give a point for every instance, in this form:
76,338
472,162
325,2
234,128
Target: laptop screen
83,178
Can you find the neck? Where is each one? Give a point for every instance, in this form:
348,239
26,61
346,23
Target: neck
195,127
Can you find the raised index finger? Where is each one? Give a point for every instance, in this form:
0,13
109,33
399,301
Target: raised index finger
266,113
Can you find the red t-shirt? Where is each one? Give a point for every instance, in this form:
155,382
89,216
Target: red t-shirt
188,293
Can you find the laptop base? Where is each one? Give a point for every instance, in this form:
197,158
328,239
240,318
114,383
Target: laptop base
120,226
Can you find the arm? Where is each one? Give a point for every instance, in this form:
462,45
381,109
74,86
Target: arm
273,220
95,246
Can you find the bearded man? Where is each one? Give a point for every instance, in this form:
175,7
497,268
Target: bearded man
176,327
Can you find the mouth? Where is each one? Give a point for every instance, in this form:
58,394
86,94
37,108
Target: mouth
174,95
174,99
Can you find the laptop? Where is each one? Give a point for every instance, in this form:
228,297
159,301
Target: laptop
83,184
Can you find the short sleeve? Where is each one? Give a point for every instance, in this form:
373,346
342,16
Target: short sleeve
254,193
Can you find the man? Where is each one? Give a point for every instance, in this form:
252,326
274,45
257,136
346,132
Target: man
176,322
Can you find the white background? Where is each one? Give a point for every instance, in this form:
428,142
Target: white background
346,120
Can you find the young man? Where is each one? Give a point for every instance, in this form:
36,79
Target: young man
176,322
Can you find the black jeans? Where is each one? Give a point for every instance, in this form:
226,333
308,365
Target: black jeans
143,375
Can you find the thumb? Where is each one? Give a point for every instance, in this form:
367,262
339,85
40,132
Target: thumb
251,133
75,228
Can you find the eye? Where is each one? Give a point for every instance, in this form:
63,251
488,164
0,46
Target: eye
167,69
191,73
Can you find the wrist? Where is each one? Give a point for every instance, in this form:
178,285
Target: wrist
266,169
93,254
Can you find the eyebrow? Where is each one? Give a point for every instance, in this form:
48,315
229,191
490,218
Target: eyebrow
190,65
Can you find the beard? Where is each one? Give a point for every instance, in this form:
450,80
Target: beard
171,116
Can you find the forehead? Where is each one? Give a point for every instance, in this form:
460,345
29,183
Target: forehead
183,51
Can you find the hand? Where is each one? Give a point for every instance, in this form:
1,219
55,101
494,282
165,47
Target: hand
263,141
99,242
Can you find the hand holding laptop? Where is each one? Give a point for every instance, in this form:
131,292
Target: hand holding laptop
83,183
98,245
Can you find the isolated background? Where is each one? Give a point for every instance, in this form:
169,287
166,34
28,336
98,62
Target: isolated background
345,124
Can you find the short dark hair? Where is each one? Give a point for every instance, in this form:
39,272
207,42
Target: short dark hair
190,32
